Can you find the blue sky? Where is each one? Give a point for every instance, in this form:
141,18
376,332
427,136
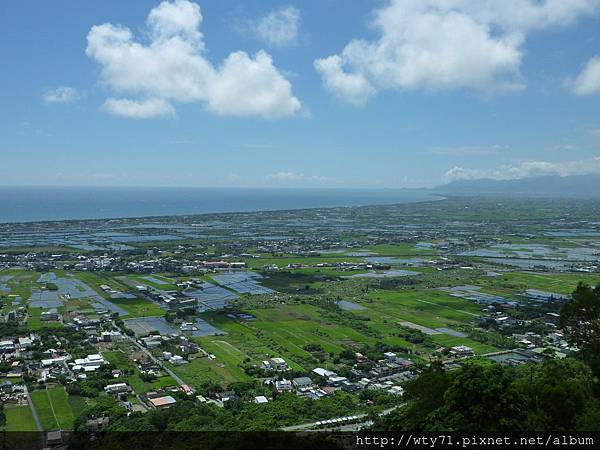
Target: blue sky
394,93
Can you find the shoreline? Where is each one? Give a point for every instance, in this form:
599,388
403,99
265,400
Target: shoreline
418,197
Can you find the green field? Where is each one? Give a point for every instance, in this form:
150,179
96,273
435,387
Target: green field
283,261
404,249
35,323
200,371
62,408
560,283
19,418
96,279
281,331
53,408
139,307
289,331
79,404
428,308
140,279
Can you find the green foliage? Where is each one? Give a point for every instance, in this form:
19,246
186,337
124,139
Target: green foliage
186,415
580,320
553,396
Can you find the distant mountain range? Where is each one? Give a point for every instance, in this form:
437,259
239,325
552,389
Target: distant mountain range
545,186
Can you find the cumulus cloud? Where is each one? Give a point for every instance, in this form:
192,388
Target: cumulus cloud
594,131
527,169
279,28
444,44
172,68
287,177
62,94
139,109
469,150
588,81
564,147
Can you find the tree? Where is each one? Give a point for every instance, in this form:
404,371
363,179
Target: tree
552,396
580,320
424,396
481,398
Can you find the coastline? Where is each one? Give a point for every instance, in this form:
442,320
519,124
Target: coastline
42,205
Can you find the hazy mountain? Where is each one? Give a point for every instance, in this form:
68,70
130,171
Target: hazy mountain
545,186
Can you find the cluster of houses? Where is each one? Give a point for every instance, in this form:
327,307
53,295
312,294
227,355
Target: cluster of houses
183,266
342,265
11,393
386,374
54,363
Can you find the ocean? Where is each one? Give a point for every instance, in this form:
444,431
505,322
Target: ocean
30,204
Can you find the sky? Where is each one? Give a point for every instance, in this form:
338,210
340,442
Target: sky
312,93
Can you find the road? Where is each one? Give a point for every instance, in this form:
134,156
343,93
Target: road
348,427
156,360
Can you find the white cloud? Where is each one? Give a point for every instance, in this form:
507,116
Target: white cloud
172,67
594,131
527,169
263,92
62,94
287,177
278,28
352,87
564,147
588,81
138,109
469,150
444,44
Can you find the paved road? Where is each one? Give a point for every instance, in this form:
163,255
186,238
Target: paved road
156,360
306,426
36,418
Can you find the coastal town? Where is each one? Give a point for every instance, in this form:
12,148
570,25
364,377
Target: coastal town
253,320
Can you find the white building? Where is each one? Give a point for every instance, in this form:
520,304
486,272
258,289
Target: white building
117,388
88,364
324,372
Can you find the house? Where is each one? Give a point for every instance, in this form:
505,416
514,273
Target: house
261,399
336,380
302,382
277,364
396,390
53,438
94,425
109,336
225,396
25,343
53,361
51,314
283,385
162,402
151,342
553,318
88,364
117,388
461,351
543,296
390,356
7,347
324,373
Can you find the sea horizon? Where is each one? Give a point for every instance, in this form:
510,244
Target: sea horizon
58,203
